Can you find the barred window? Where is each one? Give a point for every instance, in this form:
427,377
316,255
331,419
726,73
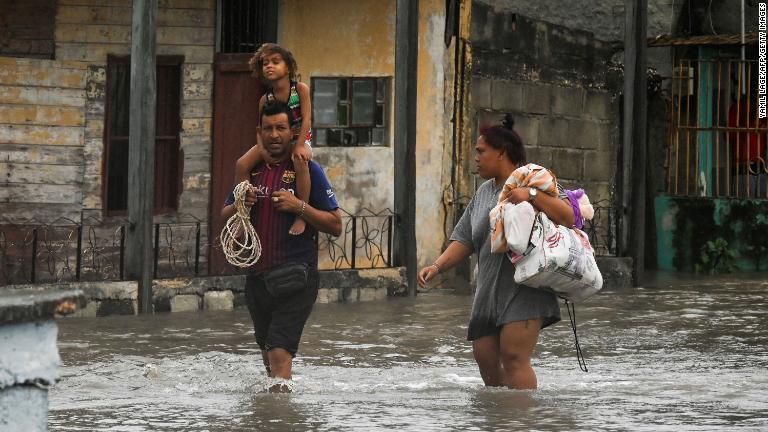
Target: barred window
243,25
350,111
168,157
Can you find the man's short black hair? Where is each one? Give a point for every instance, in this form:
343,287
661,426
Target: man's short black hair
276,107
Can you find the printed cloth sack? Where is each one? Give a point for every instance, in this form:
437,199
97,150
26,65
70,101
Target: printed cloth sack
560,260
531,175
286,279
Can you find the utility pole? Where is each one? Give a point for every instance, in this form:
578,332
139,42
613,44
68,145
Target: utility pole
634,147
406,62
141,151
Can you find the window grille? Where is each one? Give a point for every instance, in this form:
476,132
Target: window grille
717,143
168,161
245,24
350,111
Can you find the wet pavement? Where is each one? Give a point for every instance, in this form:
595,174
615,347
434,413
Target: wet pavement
664,359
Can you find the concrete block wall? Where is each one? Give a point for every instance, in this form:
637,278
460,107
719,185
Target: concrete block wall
571,130
563,91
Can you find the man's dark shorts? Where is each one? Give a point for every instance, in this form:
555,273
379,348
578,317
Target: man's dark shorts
279,322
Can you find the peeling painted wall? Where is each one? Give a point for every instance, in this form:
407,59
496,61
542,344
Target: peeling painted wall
328,38
363,35
431,139
42,136
89,30
52,111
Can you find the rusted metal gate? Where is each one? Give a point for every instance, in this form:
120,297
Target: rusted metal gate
717,142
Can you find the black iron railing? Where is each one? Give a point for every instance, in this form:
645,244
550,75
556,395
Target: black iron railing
601,229
92,250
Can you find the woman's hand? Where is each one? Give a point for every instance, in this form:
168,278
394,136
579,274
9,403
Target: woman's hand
518,195
426,274
454,253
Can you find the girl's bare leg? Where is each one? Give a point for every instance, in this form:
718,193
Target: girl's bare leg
303,185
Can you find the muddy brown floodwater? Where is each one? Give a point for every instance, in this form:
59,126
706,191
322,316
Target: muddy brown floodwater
687,359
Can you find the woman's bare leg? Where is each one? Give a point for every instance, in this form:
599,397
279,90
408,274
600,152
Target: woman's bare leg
488,358
516,343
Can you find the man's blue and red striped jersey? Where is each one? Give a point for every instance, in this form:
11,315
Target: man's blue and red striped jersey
277,246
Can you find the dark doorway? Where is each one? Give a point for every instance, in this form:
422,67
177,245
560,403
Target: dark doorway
243,25
235,113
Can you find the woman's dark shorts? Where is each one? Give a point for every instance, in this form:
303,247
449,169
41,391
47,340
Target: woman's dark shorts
279,321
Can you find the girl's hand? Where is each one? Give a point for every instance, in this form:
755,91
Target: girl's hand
302,151
299,162
427,274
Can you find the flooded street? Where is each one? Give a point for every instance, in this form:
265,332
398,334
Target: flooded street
658,360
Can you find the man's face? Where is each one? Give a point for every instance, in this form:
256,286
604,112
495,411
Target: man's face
276,135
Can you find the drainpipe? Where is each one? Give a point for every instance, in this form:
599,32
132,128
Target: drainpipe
743,51
632,232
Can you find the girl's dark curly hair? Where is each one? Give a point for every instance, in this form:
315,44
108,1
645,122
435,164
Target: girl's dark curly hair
503,137
257,61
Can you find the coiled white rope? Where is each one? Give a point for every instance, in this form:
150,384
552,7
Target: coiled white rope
239,240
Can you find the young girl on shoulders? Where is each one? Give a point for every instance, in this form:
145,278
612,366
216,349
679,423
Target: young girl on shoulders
276,68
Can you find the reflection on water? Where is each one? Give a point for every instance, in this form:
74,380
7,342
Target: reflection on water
658,360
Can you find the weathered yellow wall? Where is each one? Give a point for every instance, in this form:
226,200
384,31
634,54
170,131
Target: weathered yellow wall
357,38
432,141
89,30
42,121
346,38
329,37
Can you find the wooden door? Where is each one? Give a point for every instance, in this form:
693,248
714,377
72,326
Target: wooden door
235,114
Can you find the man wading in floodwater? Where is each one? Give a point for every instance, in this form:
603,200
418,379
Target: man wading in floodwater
281,287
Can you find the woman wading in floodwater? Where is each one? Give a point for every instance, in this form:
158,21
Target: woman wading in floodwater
506,317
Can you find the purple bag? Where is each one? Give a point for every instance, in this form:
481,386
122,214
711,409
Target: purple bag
573,197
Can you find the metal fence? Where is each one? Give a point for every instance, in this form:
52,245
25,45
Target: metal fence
602,228
91,250
717,142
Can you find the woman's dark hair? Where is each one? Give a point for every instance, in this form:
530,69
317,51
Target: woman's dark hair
503,137
257,61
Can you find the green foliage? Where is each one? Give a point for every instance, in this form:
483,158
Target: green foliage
707,243
717,257
756,235
749,221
